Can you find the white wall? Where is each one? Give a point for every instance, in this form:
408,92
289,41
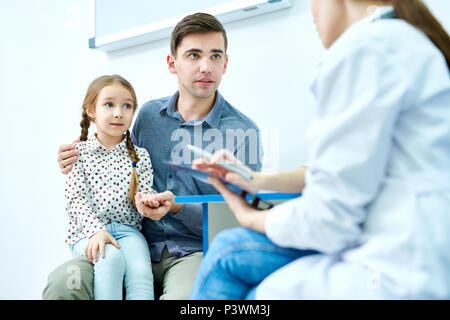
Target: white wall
45,67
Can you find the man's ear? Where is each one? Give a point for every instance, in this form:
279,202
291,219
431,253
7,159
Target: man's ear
226,64
171,64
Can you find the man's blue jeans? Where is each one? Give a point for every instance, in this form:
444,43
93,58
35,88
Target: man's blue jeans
131,263
237,261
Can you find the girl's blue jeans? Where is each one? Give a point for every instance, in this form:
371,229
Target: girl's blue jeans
131,264
237,261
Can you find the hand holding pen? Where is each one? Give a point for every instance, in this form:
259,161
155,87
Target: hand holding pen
247,215
224,164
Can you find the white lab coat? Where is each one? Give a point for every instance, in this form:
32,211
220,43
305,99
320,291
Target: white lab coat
377,195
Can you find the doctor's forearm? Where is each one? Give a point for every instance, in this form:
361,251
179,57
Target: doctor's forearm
286,181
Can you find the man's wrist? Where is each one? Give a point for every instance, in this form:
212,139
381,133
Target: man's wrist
176,207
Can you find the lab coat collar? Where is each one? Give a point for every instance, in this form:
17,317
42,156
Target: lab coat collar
380,13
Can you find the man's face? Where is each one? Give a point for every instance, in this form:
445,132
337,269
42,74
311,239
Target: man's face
199,64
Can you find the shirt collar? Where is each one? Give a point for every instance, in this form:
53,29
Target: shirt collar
169,106
212,118
93,144
382,12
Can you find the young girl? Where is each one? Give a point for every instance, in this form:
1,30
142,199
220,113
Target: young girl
375,204
100,192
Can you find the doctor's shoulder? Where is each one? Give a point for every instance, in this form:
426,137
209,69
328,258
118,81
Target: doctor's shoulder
404,44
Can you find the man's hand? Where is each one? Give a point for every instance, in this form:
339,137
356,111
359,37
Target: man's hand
156,206
99,241
67,155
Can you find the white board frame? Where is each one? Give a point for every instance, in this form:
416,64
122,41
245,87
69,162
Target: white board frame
156,30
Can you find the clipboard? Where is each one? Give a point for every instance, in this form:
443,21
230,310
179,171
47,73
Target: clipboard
256,202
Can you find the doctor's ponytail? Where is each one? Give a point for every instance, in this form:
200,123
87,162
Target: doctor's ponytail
417,14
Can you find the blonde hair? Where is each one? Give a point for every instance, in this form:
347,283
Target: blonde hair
89,103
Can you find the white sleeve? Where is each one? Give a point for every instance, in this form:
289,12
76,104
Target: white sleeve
359,95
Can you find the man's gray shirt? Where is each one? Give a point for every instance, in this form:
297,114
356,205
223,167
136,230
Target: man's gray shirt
161,130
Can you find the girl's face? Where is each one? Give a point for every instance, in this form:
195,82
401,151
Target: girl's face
330,19
113,112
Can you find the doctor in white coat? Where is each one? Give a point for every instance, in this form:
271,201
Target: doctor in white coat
373,221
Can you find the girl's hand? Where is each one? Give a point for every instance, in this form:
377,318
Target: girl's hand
246,215
147,199
224,155
99,241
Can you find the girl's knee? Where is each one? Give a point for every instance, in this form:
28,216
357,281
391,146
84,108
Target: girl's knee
113,258
141,269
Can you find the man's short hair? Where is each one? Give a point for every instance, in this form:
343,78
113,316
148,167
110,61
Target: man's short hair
195,23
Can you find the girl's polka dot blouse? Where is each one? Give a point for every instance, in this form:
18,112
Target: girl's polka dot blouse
97,188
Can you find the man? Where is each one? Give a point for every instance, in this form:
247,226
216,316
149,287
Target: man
197,114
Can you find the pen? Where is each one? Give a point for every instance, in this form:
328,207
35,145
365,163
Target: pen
229,166
200,152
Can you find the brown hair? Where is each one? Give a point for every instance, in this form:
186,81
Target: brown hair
195,23
417,14
90,100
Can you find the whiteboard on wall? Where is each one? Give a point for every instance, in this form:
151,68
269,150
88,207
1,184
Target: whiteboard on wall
117,24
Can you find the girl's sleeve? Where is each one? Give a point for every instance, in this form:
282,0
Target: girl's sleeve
359,97
145,173
78,205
